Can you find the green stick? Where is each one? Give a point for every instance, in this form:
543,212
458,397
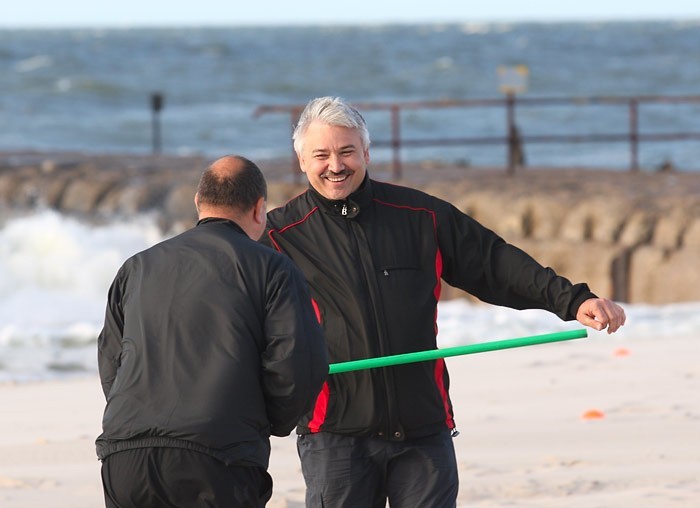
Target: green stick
434,354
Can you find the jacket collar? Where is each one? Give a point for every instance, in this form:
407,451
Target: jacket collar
349,207
214,220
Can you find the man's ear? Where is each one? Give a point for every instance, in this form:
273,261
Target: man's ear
260,211
300,158
196,201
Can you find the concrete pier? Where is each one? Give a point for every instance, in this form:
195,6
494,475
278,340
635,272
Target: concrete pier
634,237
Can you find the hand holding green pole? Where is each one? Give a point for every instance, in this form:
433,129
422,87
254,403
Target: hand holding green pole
434,354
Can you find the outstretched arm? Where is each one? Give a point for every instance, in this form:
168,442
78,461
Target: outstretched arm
601,313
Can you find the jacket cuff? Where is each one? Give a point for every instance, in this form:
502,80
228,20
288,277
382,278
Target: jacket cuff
581,294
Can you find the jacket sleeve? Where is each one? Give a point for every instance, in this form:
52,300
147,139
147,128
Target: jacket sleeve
295,360
480,262
109,342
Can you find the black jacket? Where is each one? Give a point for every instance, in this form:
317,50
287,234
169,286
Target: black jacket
209,343
374,264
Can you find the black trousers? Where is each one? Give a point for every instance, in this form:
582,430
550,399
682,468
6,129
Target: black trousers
180,478
365,472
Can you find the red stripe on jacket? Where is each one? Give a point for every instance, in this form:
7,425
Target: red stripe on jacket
439,373
320,409
285,228
321,405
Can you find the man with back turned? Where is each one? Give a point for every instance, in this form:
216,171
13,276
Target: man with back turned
374,255
209,346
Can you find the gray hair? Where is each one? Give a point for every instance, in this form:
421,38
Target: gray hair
330,111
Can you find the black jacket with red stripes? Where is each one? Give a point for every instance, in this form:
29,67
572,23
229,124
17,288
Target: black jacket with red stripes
374,263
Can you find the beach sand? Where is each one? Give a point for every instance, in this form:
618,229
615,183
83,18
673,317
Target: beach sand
524,439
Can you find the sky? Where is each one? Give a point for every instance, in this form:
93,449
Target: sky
128,13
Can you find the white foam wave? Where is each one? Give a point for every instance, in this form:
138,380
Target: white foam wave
55,272
54,276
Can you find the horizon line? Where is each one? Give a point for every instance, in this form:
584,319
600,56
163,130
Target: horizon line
328,23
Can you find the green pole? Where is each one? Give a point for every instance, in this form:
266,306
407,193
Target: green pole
434,354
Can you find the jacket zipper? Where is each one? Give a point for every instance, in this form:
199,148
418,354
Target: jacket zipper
390,425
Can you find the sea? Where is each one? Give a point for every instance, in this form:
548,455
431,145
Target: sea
92,90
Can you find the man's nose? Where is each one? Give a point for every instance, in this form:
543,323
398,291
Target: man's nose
335,163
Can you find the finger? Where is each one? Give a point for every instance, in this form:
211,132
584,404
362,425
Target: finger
589,320
616,316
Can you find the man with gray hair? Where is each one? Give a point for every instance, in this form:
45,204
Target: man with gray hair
209,346
374,255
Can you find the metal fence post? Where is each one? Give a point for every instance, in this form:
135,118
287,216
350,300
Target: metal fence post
156,106
396,140
634,135
512,133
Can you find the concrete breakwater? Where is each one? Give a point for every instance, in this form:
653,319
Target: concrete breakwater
634,237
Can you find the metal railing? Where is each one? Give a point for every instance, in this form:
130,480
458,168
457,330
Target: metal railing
512,139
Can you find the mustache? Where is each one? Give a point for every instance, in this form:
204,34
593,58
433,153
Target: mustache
335,174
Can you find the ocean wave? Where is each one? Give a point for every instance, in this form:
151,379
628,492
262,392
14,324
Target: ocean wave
33,63
107,75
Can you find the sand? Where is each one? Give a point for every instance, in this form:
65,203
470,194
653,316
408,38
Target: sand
524,442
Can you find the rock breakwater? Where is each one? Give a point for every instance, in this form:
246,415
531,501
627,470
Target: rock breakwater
634,237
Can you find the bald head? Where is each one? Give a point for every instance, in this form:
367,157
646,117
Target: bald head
228,166
234,188
231,182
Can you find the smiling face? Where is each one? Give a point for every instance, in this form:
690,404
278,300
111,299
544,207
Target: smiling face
333,159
